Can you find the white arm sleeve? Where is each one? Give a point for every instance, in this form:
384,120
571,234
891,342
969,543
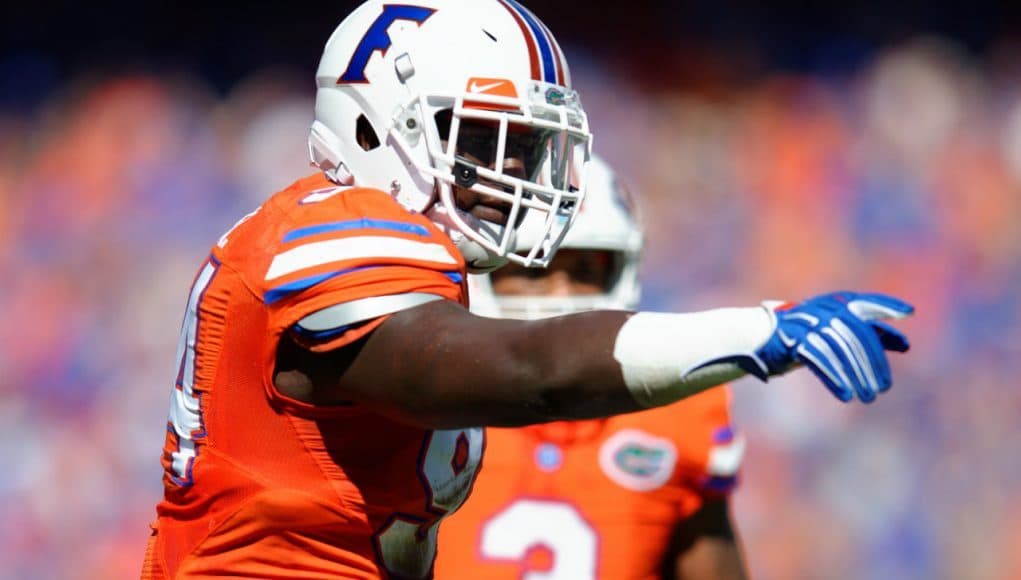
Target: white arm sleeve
666,357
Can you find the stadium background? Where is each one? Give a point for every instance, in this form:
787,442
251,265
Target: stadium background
779,150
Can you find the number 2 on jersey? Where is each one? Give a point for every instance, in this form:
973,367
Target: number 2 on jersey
527,525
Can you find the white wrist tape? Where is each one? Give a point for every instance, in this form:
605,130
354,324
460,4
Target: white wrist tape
666,357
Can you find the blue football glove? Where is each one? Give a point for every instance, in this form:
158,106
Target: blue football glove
840,338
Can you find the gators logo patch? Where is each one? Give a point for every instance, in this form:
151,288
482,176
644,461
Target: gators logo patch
638,461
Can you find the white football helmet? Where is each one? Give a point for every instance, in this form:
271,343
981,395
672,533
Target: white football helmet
403,88
607,221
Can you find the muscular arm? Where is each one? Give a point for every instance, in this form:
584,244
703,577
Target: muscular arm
439,366
705,546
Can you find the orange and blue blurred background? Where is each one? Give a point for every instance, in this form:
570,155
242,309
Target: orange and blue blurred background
778,150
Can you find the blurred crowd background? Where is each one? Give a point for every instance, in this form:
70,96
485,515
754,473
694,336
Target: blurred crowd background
775,153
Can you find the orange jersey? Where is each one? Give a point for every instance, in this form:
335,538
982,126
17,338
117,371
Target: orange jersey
259,485
591,499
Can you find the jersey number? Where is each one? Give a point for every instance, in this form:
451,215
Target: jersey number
406,544
528,526
185,421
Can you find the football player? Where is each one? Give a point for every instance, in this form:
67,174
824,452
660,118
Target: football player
643,495
330,377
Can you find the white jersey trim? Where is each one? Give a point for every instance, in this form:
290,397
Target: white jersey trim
360,247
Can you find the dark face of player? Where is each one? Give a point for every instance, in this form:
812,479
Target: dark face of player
477,146
572,273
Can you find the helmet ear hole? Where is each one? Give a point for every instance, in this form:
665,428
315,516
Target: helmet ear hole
366,135
443,119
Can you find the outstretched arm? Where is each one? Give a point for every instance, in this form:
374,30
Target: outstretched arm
439,366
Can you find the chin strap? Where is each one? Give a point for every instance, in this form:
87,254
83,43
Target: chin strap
323,154
340,175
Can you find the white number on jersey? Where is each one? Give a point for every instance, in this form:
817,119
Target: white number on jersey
185,410
528,524
407,544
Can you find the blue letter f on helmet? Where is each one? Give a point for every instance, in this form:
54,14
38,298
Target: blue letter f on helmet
376,38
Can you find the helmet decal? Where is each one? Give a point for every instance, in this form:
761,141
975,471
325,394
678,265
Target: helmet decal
536,34
377,38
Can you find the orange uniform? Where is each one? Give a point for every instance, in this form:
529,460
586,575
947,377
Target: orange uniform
259,485
591,499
